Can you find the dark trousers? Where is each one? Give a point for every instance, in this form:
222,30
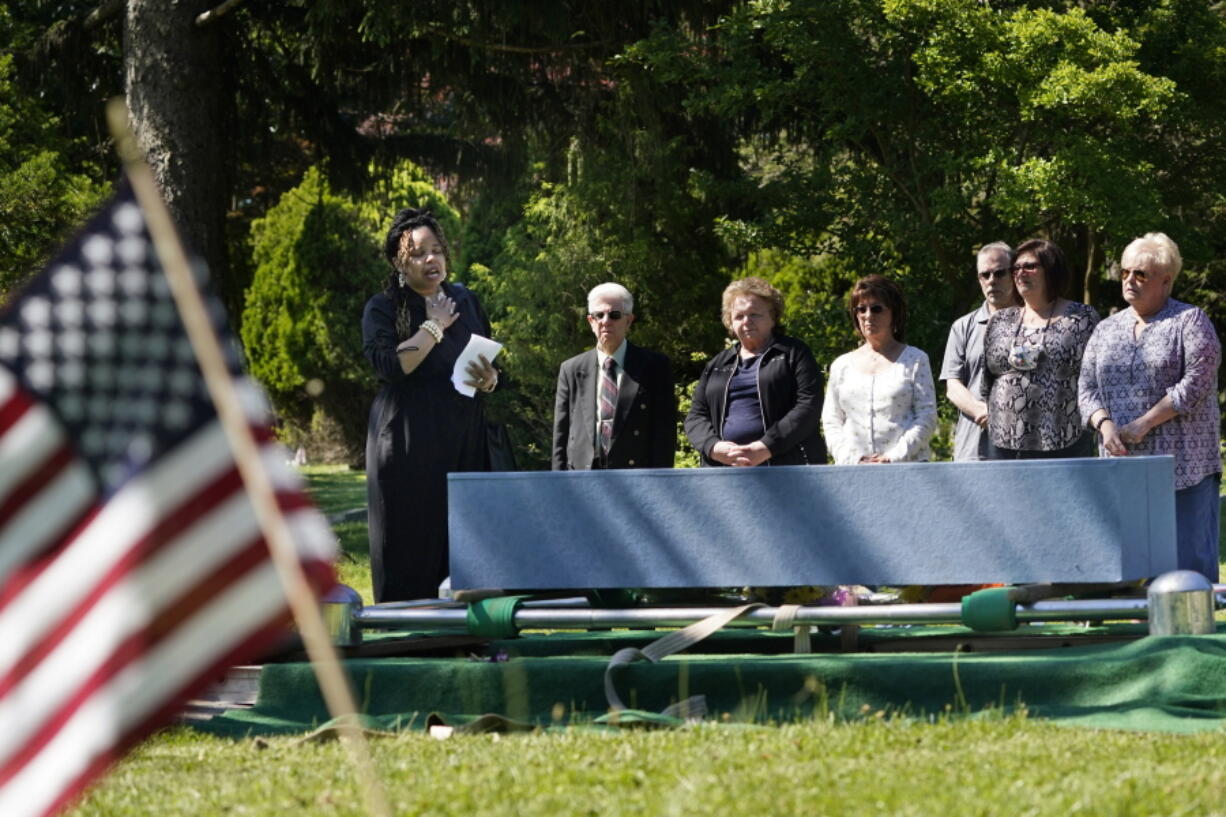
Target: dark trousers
1084,447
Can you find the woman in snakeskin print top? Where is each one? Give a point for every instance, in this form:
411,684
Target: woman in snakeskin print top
1032,355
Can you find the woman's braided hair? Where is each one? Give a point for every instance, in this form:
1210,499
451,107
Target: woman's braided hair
407,220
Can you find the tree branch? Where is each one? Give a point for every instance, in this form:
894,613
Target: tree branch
106,11
511,49
211,16
64,36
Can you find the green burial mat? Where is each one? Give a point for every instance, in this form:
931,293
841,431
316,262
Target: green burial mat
1084,676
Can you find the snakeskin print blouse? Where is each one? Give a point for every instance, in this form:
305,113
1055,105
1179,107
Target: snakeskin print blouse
1036,410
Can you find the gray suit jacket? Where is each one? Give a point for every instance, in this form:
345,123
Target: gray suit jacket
644,427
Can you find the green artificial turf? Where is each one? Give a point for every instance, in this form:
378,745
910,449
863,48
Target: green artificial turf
879,766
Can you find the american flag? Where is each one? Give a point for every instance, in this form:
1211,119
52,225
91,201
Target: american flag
132,568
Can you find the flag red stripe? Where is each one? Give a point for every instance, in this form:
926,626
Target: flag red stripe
139,658
13,583
17,404
174,523
189,512
261,640
135,646
197,596
35,483
20,578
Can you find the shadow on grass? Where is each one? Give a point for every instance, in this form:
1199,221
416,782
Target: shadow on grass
335,488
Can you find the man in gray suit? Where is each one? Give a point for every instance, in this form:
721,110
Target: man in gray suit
615,404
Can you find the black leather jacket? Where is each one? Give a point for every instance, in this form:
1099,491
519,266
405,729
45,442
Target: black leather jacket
790,388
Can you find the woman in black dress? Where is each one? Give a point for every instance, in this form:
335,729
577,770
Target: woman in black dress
420,427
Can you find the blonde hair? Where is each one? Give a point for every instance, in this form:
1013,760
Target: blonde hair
1153,248
751,286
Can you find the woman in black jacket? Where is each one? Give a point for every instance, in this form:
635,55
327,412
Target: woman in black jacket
421,428
759,401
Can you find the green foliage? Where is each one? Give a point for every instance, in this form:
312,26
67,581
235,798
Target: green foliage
855,137
318,257
687,456
897,136
672,149
813,312
40,199
625,213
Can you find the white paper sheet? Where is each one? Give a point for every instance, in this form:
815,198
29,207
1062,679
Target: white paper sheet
477,345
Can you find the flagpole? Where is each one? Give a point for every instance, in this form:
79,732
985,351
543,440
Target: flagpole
324,659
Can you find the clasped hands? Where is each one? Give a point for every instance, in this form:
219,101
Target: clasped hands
1116,439
728,453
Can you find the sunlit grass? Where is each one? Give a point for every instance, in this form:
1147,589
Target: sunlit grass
992,766
335,488
353,567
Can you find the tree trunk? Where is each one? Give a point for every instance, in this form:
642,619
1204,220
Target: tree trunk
1092,253
176,93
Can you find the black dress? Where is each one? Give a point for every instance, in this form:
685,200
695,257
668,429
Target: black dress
420,430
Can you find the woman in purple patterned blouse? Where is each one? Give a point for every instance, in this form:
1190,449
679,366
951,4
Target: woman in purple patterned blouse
1149,386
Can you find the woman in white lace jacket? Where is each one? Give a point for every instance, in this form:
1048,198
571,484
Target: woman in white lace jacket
880,399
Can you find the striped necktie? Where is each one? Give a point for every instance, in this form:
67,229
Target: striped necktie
608,403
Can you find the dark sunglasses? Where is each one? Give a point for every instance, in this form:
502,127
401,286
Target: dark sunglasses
999,272
876,309
614,315
1029,266
1140,275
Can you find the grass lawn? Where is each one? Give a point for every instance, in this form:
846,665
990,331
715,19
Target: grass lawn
337,489
994,766
987,765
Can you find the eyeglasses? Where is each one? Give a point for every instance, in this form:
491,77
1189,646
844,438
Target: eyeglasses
1140,275
999,272
1029,266
876,309
614,315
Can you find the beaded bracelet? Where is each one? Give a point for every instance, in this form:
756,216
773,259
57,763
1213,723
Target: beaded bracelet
434,329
